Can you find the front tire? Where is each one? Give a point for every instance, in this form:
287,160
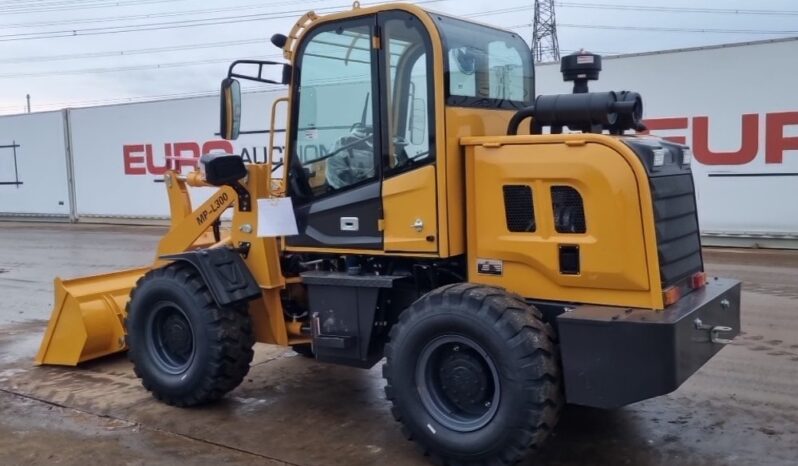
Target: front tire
185,349
473,375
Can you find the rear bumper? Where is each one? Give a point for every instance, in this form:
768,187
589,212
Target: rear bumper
616,356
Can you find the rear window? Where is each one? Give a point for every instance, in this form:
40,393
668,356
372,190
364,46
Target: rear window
485,67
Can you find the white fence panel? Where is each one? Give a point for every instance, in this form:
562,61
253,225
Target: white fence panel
120,150
33,165
735,106
732,104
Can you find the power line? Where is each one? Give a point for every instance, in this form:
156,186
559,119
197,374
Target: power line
40,74
147,15
67,6
146,27
145,98
20,4
137,99
132,52
670,9
496,12
669,29
210,10
125,53
168,24
683,29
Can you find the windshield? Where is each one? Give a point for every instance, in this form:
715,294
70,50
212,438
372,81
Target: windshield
485,67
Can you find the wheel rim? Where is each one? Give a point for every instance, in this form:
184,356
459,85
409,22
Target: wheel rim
170,338
458,383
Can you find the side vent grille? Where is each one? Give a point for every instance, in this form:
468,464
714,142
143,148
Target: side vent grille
569,211
519,209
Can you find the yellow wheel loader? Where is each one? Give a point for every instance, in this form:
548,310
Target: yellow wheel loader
505,253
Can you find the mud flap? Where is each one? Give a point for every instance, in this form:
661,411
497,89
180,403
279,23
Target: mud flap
224,272
88,318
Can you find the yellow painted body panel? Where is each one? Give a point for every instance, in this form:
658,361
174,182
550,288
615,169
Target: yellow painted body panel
185,231
458,199
407,199
460,123
263,261
619,242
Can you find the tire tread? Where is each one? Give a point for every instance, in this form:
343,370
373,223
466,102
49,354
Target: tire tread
521,323
231,336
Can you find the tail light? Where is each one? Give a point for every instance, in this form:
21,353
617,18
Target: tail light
671,295
698,280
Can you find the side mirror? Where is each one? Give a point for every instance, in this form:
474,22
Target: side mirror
230,114
418,122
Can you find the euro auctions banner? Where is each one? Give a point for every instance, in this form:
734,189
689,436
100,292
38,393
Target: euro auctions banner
120,151
737,108
735,105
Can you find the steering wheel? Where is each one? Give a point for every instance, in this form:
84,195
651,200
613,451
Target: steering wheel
366,130
298,182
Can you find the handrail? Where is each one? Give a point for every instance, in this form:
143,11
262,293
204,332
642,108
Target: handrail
270,160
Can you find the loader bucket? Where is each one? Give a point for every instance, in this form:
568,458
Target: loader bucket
88,318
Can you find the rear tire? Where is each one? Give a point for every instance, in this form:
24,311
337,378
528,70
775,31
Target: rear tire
185,349
473,374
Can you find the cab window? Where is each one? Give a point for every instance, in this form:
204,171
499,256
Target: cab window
409,97
334,140
485,67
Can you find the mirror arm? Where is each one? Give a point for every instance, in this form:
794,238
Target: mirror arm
261,63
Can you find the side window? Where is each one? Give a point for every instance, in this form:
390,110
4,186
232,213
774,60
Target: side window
485,67
519,210
408,97
506,72
495,73
569,210
335,138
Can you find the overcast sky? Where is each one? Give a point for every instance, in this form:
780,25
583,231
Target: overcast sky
83,52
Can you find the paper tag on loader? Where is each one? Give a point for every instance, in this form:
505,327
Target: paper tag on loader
276,217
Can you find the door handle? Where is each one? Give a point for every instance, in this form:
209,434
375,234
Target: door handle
418,225
350,224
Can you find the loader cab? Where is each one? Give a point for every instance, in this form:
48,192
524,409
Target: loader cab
372,169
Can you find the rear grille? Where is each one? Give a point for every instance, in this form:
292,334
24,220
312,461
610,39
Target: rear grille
569,211
676,224
519,210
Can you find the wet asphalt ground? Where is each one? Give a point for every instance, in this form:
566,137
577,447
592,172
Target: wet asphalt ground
740,409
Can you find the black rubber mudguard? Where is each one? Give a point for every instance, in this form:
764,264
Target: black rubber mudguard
224,272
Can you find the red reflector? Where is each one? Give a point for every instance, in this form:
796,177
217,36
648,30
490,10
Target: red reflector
698,280
671,295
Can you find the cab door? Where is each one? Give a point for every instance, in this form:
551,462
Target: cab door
409,198
335,172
